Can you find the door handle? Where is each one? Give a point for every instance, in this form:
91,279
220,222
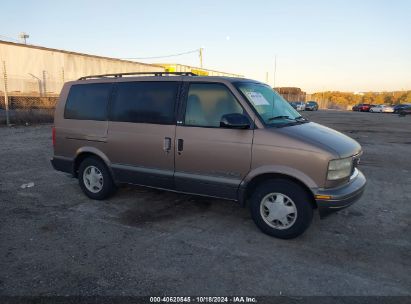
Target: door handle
167,144
180,145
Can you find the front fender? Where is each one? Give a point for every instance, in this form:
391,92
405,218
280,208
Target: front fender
283,170
275,169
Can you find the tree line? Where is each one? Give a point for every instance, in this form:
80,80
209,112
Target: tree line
335,99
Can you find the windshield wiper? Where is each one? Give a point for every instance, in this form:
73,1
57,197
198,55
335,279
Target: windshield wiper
280,117
301,118
292,121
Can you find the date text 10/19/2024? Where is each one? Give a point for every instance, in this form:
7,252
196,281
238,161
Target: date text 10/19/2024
203,300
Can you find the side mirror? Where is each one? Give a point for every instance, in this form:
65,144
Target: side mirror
235,121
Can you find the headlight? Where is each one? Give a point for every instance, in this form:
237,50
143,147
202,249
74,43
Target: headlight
339,168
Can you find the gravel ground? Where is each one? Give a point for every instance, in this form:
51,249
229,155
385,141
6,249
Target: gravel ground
55,241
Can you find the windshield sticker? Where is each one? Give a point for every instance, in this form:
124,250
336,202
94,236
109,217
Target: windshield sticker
257,98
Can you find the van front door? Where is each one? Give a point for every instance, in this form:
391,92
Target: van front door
211,160
141,132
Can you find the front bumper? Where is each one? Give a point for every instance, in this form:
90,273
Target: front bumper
334,199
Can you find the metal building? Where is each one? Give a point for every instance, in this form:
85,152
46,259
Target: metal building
30,70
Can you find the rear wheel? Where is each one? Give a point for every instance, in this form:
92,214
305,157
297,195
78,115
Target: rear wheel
281,208
95,179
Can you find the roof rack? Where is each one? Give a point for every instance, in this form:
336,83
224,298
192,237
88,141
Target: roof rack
119,75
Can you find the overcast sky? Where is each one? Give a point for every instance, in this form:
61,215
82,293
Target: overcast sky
320,45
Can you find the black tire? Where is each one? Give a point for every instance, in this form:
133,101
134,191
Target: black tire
108,187
296,193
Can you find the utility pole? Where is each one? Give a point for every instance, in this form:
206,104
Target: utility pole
44,83
6,97
201,57
275,68
266,77
322,99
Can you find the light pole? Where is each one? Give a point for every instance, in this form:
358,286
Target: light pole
6,96
23,36
38,81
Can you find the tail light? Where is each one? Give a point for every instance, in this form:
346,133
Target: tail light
53,135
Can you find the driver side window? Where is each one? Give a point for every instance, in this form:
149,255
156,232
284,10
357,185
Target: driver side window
207,103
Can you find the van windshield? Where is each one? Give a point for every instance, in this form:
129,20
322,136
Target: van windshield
272,108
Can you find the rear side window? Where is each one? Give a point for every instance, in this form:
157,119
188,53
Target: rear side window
88,101
145,102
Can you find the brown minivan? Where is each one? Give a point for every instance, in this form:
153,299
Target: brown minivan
230,138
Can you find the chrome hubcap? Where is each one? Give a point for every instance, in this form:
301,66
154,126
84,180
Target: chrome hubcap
93,179
278,211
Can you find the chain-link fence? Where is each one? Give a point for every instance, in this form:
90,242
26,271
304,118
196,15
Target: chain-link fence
27,109
28,100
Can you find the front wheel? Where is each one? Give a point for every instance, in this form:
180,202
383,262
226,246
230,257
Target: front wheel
281,208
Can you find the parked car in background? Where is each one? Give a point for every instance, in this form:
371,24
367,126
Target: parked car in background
356,108
382,109
311,106
399,107
388,109
405,110
298,105
362,107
